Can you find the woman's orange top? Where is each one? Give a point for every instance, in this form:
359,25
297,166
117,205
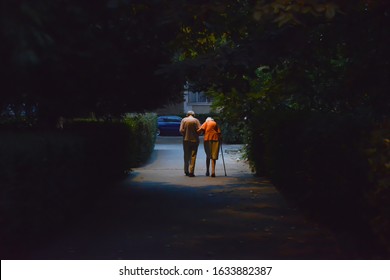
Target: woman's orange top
211,131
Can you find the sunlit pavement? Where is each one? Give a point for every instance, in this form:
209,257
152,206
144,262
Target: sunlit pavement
166,165
158,213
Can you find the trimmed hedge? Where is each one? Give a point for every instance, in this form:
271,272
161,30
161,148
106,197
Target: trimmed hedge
321,162
48,176
378,153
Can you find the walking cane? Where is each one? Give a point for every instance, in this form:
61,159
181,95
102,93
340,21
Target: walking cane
223,160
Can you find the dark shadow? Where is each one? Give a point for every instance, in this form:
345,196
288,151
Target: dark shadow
163,221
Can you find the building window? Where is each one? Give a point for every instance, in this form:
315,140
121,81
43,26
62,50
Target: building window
198,97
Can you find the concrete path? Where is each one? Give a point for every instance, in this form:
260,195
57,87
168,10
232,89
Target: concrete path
166,165
158,213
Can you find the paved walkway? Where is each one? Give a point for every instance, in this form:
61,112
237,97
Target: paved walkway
166,166
158,213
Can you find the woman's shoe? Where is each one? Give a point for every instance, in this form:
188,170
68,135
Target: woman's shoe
213,175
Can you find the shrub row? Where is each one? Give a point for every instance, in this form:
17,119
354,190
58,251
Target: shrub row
329,164
378,196
47,176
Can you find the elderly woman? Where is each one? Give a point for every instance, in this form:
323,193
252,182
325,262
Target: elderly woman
212,137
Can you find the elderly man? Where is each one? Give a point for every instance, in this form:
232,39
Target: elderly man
189,129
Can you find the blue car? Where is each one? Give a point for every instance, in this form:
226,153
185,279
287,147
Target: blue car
168,125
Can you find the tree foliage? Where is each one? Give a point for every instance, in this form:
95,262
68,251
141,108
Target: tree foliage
323,55
114,56
72,57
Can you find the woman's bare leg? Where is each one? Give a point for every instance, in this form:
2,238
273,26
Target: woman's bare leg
213,163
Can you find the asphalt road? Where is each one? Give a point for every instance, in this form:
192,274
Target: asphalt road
158,213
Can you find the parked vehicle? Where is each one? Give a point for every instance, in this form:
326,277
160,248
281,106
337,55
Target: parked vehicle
168,125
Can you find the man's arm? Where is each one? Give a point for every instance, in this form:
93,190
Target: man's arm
198,124
200,129
181,129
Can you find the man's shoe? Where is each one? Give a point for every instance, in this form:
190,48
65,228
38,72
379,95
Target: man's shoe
187,173
191,175
207,173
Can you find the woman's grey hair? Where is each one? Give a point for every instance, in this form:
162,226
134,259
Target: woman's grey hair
209,119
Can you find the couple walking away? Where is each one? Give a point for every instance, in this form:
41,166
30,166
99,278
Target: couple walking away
191,128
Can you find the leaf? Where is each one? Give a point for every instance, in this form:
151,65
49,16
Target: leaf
277,7
202,41
212,38
320,8
330,11
186,29
307,10
257,15
286,18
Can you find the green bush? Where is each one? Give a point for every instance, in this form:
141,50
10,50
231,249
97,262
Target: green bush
378,152
43,176
334,167
315,158
232,133
48,176
143,137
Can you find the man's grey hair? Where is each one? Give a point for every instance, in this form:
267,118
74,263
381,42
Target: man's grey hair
190,113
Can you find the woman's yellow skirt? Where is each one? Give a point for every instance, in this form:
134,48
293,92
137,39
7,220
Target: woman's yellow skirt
211,149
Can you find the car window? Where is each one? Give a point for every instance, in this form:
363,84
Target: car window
169,119
173,120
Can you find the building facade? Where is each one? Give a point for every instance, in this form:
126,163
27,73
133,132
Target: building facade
197,102
194,101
